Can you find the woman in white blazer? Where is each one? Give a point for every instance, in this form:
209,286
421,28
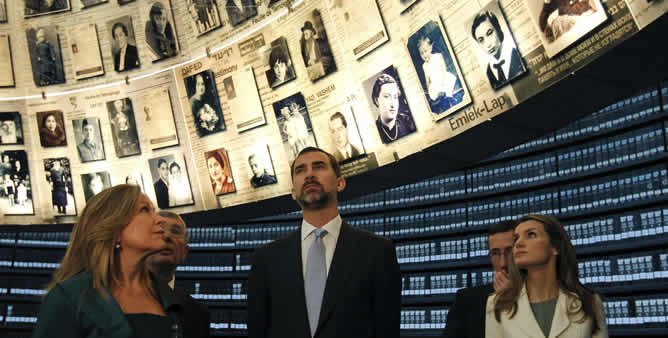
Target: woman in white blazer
545,297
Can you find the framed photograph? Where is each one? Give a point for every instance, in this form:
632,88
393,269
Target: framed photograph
91,3
560,23
88,135
158,118
6,64
204,16
59,178
220,172
128,175
260,166
11,129
85,49
244,99
363,27
315,49
93,183
204,103
495,46
294,124
123,44
437,69
3,11
238,11
159,31
389,106
123,127
344,140
45,55
15,188
281,70
35,8
170,181
51,128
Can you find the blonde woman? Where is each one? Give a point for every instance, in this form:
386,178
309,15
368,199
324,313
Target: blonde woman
545,297
102,287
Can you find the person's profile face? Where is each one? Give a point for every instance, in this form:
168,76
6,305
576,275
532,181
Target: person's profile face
88,133
50,123
488,38
339,132
308,34
200,88
163,170
215,169
41,36
500,249
425,49
388,102
280,70
96,184
144,233
256,166
121,37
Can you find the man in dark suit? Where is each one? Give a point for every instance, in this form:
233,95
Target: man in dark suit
160,186
126,57
338,130
195,316
466,318
327,279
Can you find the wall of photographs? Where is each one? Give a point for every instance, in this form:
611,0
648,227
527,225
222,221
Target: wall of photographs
204,103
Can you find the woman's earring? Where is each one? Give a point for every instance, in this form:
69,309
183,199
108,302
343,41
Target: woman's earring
118,245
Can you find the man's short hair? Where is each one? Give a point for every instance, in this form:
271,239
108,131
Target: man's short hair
332,161
338,115
171,215
484,16
161,161
503,226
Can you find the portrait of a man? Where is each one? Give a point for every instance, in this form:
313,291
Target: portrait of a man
123,127
340,135
123,48
393,117
281,70
204,103
89,139
238,11
315,49
45,56
11,131
159,32
262,174
43,7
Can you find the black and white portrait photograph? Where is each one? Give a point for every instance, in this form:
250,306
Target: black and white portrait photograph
59,178
159,31
238,11
437,68
315,48
123,44
260,166
562,22
220,173
88,136
389,106
281,70
11,129
3,11
646,11
204,15
246,107
170,181
95,182
123,127
85,49
204,103
91,3
45,55
345,142
43,7
363,27
495,46
51,128
6,62
15,186
294,124
159,125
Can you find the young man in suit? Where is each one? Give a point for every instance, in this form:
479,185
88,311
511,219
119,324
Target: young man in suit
327,279
195,316
161,185
466,318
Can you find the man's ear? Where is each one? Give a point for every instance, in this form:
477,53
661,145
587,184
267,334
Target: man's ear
340,183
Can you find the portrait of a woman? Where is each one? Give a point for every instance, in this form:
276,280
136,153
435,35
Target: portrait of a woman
51,131
394,120
160,35
219,172
204,104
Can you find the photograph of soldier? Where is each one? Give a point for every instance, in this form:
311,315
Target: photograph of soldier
89,139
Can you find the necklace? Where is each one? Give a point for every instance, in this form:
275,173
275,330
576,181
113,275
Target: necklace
396,131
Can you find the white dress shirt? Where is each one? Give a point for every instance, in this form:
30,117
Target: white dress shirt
506,53
333,228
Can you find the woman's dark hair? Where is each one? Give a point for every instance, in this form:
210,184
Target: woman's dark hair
484,16
383,79
46,117
116,25
174,165
217,156
277,54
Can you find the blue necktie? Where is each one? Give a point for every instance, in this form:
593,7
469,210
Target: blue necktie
316,277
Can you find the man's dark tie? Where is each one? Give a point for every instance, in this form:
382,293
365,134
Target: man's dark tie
501,77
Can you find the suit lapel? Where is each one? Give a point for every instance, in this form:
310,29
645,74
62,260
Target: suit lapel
560,320
530,326
297,271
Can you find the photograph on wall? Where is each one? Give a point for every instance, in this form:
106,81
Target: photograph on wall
123,127
159,31
437,69
238,11
170,181
59,178
244,100
646,11
88,135
95,182
91,3
123,44
3,11
363,27
389,106
15,187
11,129
280,67
159,123
204,103
51,128
6,65
294,124
345,142
495,46
43,7
220,172
315,48
260,165
128,175
204,16
560,23
85,48
45,55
